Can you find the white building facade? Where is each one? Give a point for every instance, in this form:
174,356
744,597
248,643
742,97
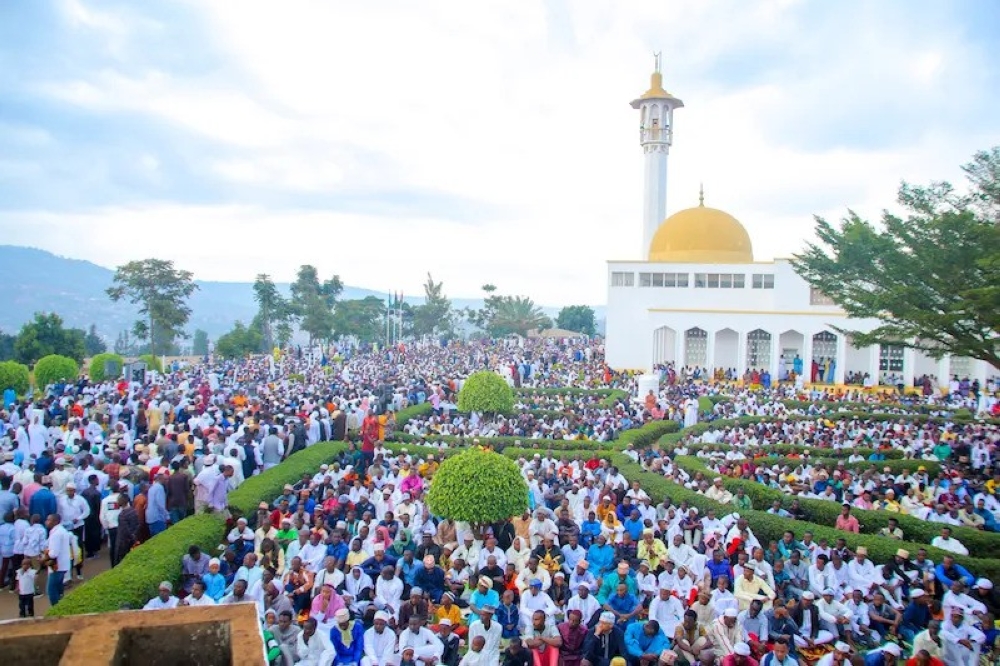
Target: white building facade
698,298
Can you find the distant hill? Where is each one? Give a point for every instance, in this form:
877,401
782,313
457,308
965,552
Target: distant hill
38,281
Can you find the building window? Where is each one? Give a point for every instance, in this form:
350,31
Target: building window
719,280
817,297
622,279
763,281
890,358
663,279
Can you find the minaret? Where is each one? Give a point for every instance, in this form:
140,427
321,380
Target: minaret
656,130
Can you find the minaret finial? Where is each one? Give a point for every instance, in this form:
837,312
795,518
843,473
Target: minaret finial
656,61
701,194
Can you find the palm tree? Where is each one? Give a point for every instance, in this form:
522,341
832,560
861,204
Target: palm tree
517,314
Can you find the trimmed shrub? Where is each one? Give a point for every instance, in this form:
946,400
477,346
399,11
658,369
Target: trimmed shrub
136,578
53,369
980,544
486,392
152,362
269,484
99,365
767,527
478,486
14,375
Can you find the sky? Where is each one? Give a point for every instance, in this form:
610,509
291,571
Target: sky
483,142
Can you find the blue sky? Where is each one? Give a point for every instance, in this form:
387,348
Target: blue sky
484,142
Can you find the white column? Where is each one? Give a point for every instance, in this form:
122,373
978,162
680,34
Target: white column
944,372
874,359
909,366
710,353
654,193
807,356
775,354
741,353
840,370
678,350
981,370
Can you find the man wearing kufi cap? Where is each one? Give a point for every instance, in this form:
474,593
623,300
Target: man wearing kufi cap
380,643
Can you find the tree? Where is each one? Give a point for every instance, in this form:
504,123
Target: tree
272,308
45,335
931,277
516,314
579,318
93,343
239,342
14,375
199,343
125,345
479,487
486,392
54,369
104,367
312,302
6,346
161,292
361,318
434,316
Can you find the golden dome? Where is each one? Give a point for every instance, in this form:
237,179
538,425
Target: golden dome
701,235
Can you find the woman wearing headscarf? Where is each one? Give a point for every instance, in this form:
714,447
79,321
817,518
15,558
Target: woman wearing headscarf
403,542
358,590
518,553
325,606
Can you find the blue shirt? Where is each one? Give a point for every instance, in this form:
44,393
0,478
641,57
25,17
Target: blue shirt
156,510
638,643
43,502
623,605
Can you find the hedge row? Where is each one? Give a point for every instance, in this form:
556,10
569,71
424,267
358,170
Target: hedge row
785,450
137,577
134,581
894,466
767,527
979,543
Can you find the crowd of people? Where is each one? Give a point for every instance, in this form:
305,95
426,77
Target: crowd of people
348,566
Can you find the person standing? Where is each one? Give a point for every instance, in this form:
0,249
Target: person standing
109,521
73,513
129,526
178,487
92,527
26,589
156,507
59,558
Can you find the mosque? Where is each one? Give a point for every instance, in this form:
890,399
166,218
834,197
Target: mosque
697,298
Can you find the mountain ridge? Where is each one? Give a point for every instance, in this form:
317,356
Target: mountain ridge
35,280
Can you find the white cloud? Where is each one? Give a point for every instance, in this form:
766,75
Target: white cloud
523,108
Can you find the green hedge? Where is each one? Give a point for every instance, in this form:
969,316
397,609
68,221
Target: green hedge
137,577
783,450
97,367
152,362
609,396
53,369
135,580
14,375
271,483
404,415
824,512
767,527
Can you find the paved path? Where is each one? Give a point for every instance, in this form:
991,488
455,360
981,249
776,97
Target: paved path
8,600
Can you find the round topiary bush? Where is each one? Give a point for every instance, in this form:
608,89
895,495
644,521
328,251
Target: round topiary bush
14,375
105,366
152,362
486,392
478,486
53,369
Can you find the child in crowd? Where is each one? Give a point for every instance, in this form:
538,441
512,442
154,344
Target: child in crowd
26,589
